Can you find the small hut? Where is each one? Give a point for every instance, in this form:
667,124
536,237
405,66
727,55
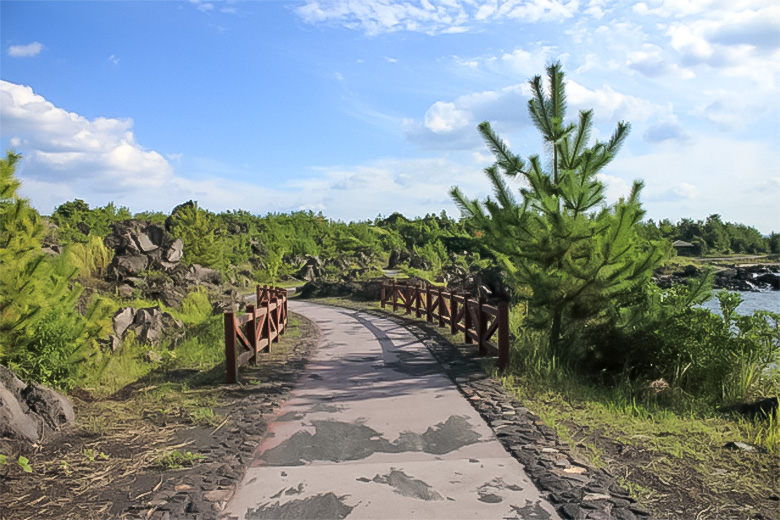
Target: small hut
683,248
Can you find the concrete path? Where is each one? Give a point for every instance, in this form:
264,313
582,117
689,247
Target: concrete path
375,429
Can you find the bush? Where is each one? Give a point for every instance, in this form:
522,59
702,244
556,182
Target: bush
719,359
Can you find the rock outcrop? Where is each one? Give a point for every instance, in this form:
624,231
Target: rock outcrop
147,263
149,325
29,412
759,277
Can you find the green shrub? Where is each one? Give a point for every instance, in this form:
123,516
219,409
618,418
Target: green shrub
719,359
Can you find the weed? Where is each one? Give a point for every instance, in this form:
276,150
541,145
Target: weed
93,455
22,462
204,416
176,459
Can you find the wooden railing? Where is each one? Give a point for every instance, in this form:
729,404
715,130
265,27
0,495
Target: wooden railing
254,331
478,322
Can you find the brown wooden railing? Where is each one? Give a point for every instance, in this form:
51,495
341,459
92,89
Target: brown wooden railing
254,331
478,322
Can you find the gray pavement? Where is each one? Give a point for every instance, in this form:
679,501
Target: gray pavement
375,429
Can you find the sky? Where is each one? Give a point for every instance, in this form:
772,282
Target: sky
360,108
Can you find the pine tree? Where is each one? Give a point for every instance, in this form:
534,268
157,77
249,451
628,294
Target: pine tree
198,231
578,256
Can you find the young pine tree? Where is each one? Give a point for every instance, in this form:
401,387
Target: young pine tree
578,256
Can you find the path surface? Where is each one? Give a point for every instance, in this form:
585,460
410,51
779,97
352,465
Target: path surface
375,429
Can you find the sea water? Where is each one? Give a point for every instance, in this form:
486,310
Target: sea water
751,301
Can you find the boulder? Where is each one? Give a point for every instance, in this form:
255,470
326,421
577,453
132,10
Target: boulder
201,275
14,423
122,319
11,382
145,243
770,279
175,251
149,325
54,408
29,411
123,267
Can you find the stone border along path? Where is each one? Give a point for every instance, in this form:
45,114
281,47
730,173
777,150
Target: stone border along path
316,481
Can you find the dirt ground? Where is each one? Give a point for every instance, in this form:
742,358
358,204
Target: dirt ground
109,465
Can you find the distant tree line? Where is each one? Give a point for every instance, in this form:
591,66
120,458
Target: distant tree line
713,236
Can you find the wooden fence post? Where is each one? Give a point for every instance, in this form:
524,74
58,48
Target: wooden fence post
428,301
284,312
503,336
268,317
251,331
277,316
481,327
395,297
382,294
408,292
417,297
231,366
441,308
453,314
467,320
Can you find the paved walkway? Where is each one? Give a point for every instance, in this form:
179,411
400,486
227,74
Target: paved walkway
375,429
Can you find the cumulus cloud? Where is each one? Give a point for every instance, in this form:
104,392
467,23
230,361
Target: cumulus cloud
58,141
444,117
68,156
610,105
451,125
729,110
25,51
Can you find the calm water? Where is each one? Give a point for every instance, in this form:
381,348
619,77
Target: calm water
751,301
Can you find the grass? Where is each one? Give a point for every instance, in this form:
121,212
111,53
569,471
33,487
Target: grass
177,459
653,449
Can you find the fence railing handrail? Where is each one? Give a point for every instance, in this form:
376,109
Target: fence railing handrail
463,314
254,331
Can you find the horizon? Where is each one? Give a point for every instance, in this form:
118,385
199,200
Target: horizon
357,110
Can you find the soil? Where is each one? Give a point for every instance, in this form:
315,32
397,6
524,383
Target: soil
108,466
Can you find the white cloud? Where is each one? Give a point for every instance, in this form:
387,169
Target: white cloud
444,117
203,6
652,61
452,125
25,51
409,186
59,143
433,16
668,129
729,110
68,156
737,179
610,105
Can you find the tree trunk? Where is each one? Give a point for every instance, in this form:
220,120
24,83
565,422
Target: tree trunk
555,332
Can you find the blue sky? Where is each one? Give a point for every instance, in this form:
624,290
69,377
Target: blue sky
364,107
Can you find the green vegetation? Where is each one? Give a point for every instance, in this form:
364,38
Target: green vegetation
580,273
577,256
712,236
22,462
176,459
